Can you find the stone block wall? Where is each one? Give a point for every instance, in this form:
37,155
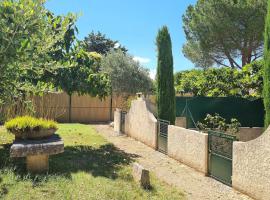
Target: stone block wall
251,167
189,147
141,124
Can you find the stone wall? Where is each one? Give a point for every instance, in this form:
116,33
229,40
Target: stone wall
181,122
251,167
141,124
246,134
189,147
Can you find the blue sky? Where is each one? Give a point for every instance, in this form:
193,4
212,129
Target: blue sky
134,23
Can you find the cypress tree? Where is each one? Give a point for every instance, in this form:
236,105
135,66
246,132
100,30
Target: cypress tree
266,85
165,77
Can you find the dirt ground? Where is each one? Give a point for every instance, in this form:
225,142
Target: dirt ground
195,185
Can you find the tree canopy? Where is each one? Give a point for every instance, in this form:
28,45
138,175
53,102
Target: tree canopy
27,38
125,74
224,32
38,51
98,42
221,82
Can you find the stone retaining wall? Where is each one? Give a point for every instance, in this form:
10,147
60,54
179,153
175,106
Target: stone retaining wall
251,167
189,147
141,124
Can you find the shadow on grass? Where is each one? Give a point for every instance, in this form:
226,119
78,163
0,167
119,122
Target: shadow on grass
104,161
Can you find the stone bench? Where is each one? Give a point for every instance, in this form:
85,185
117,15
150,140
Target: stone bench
37,152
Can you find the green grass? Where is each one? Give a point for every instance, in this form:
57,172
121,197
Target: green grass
90,168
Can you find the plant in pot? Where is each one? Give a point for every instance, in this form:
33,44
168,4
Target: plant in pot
27,127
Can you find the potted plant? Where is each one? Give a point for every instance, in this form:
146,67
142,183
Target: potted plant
27,127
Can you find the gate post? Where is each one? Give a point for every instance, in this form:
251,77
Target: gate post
117,121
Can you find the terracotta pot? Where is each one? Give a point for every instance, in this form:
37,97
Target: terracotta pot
33,134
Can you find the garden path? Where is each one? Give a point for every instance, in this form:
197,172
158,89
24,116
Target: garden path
195,185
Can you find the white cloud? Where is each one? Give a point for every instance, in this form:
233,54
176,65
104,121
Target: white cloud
141,60
117,45
153,73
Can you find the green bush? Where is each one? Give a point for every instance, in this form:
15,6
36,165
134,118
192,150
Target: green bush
218,123
29,123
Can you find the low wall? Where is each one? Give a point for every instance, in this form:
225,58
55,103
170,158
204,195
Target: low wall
189,147
246,134
141,124
251,167
181,122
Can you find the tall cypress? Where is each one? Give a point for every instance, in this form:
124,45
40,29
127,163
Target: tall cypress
266,82
165,77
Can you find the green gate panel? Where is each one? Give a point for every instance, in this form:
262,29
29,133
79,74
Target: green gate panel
221,169
250,113
220,150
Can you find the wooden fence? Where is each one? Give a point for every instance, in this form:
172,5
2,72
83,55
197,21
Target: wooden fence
77,109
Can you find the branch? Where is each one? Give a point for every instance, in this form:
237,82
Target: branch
220,63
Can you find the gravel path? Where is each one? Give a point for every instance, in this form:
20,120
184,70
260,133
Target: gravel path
195,185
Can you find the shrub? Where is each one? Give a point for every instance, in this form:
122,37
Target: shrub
218,123
27,123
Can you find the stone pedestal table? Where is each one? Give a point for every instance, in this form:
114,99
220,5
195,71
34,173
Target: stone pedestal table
37,152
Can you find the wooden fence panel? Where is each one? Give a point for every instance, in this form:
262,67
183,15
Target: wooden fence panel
84,108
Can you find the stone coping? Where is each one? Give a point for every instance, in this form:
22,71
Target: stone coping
49,146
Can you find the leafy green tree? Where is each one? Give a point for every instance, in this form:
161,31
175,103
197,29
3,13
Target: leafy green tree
190,81
252,78
266,77
125,74
224,32
221,82
165,78
27,39
81,76
37,52
98,42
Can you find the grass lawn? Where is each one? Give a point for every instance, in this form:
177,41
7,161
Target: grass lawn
90,168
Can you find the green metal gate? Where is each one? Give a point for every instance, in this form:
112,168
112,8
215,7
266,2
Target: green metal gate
220,149
122,124
163,135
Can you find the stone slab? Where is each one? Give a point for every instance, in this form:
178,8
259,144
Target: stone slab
49,146
117,121
141,175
